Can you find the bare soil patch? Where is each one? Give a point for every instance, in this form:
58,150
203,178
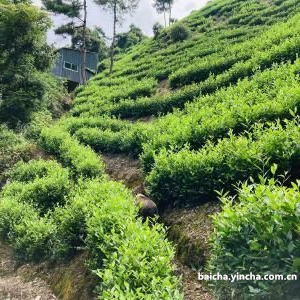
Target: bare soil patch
14,286
121,167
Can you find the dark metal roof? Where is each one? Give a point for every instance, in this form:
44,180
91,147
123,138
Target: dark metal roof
74,57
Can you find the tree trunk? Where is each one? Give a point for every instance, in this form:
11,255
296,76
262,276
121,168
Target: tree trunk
170,13
83,48
112,48
165,18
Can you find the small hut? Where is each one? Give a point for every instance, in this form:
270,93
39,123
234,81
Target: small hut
68,65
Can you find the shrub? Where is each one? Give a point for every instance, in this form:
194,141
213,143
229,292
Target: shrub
21,225
71,220
279,43
179,32
109,141
34,169
11,213
32,238
267,95
258,232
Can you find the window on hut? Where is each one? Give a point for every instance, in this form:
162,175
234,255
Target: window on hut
70,66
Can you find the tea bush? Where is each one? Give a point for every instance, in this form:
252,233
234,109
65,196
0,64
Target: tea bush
109,141
188,151
12,213
279,43
258,232
133,268
31,238
96,97
100,217
22,227
268,95
35,169
156,105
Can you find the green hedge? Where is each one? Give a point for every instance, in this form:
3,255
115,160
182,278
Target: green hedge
274,44
133,267
156,105
267,95
108,141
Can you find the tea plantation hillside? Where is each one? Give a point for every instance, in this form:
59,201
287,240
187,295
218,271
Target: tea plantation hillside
209,107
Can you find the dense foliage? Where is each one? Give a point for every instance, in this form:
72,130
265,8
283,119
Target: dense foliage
179,33
204,111
126,40
179,176
25,60
82,160
258,232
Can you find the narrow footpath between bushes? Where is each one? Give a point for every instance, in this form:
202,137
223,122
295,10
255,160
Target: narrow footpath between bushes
14,286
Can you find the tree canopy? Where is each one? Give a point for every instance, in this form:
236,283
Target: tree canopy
95,41
24,55
130,38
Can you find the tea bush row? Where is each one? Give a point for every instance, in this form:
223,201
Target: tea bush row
81,159
13,147
44,184
275,36
266,96
194,176
286,50
129,89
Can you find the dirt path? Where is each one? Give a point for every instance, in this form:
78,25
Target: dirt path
193,289
121,167
13,286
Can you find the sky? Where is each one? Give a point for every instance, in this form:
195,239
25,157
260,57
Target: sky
144,17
